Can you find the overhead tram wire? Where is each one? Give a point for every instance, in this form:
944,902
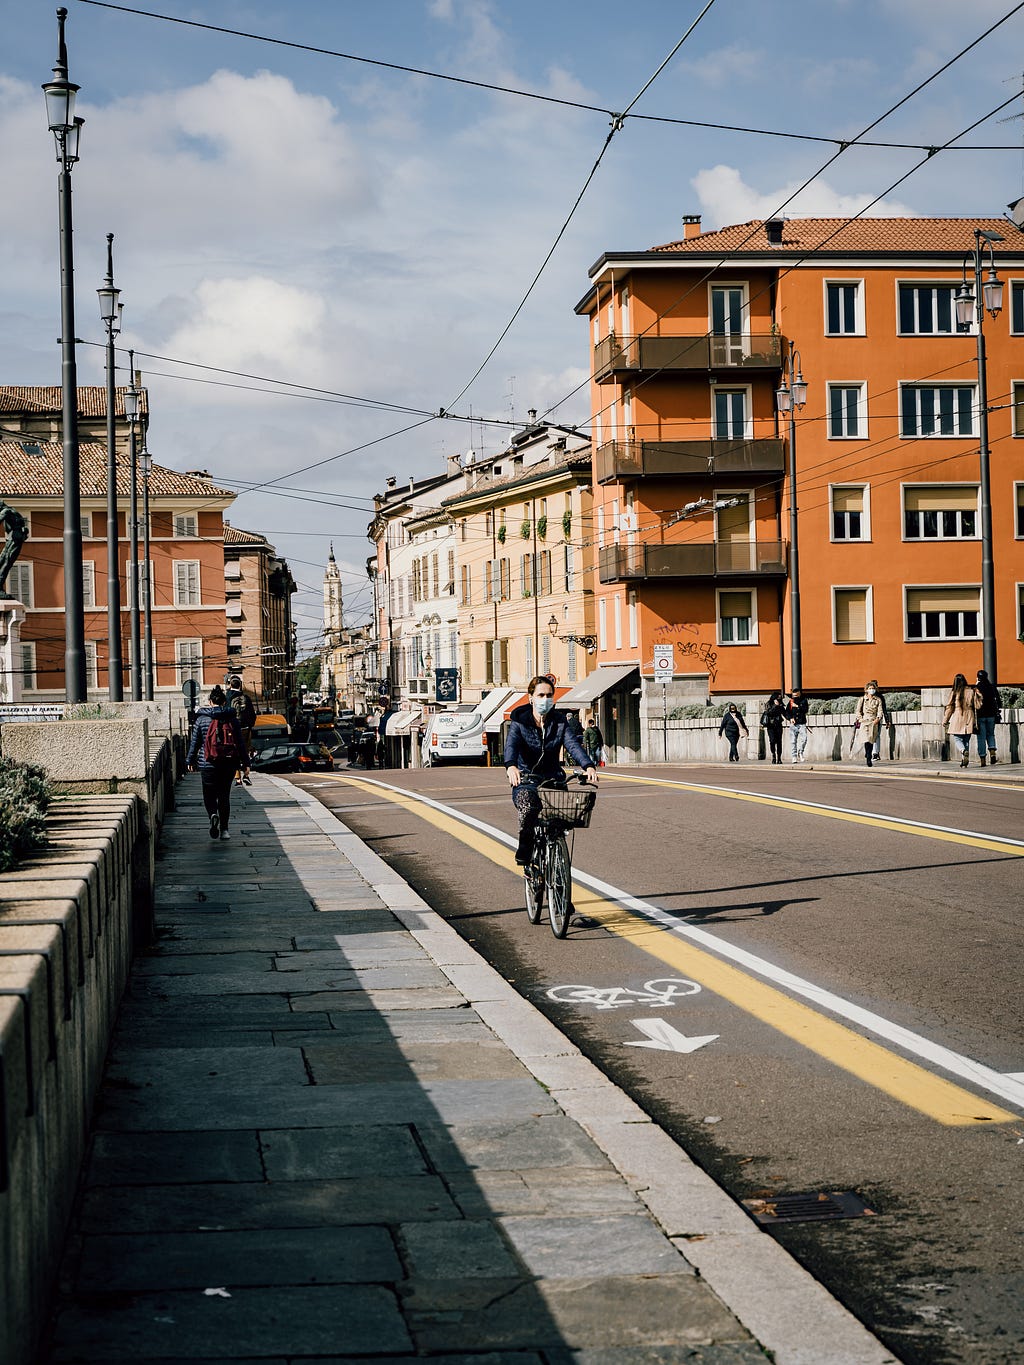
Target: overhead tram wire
510,90
843,147
617,123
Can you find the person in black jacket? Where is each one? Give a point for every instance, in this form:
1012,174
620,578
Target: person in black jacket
795,711
732,724
217,775
772,720
988,714
536,737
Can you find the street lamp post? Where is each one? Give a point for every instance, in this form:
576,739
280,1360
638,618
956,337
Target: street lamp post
790,396
66,129
131,411
110,314
971,306
146,468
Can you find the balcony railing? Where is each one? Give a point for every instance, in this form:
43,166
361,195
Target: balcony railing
620,460
710,559
615,355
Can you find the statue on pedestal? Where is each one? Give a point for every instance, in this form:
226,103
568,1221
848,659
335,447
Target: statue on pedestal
17,533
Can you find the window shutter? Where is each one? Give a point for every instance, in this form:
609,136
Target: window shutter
852,615
847,499
943,599
734,604
937,499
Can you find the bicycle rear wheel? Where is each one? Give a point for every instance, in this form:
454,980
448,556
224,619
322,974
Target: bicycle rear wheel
533,879
559,885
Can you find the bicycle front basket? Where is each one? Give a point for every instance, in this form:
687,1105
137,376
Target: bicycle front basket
570,808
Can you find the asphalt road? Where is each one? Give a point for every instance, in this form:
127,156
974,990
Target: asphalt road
829,934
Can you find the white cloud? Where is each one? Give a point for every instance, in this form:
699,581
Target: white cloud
726,198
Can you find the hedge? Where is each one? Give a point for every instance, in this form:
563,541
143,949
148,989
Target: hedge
24,797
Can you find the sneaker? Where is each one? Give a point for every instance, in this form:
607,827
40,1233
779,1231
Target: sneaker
238,781
224,835
214,826
801,758
992,759
247,780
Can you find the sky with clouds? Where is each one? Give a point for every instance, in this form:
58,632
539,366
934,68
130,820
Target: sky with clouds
361,236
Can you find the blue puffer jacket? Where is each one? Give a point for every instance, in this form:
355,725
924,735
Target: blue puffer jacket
535,756
203,717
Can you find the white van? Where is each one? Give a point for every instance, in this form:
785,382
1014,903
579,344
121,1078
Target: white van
459,735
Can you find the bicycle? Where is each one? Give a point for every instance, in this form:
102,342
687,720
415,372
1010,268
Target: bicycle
549,871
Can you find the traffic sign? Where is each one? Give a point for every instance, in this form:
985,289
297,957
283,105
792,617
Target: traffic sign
664,661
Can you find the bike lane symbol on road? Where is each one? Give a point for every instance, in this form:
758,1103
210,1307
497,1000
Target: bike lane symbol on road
660,993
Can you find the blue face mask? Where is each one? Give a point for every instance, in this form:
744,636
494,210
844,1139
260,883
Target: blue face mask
542,705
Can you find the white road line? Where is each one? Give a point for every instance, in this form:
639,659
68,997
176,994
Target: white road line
1007,1087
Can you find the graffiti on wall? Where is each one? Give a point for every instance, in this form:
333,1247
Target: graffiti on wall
693,648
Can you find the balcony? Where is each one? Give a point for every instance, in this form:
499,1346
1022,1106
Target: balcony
616,356
710,559
617,461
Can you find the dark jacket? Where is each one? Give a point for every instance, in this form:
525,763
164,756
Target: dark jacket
204,715
796,711
592,739
732,724
987,699
772,717
242,705
535,756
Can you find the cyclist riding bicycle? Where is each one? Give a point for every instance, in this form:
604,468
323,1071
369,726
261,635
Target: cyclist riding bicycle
537,735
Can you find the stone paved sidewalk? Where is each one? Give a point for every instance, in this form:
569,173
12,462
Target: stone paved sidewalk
312,1143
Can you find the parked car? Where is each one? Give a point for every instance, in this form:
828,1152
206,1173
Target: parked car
288,757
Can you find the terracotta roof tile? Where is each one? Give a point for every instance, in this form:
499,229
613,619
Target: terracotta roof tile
46,400
894,235
234,535
42,476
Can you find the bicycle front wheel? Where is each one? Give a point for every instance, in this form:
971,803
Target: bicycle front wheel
533,880
559,887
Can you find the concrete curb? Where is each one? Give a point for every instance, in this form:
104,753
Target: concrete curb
775,1299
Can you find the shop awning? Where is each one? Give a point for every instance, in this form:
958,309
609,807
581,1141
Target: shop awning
596,684
401,722
496,721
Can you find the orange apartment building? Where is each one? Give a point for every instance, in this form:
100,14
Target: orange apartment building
186,557
690,342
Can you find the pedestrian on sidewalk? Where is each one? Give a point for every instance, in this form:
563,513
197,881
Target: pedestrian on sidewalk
217,750
242,705
886,719
867,720
960,716
988,714
794,708
593,741
772,721
732,724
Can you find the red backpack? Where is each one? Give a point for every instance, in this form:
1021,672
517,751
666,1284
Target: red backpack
221,742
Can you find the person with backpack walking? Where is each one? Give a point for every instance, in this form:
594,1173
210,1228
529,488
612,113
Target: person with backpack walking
216,748
243,708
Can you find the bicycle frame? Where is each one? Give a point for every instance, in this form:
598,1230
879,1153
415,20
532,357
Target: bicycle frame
548,875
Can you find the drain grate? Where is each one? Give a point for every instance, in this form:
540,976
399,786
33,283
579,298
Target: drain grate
816,1206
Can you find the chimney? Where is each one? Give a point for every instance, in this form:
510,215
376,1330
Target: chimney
532,414
691,226
412,484
390,481
773,228
454,465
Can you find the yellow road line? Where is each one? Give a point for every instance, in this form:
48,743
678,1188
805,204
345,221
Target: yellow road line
992,844
904,1080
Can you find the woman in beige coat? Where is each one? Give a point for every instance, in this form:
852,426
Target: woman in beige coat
960,716
868,718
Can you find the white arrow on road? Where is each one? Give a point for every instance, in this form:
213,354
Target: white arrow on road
661,1035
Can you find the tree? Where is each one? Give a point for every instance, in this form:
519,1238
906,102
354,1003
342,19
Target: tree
307,673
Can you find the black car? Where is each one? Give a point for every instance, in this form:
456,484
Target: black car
288,757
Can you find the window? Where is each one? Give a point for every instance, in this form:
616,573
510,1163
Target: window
143,582
634,630
19,584
843,312
928,310
602,624
545,654
188,660
435,575
28,666
730,414
467,662
1017,392
489,567
186,525
1020,613
851,616
449,586
1020,509
544,573
940,513
453,649
529,656
736,618
847,412
571,665
526,571
570,570
849,513
186,583
466,585
939,410
463,529
91,671
617,619
1017,307
943,613
505,567
88,584
85,522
